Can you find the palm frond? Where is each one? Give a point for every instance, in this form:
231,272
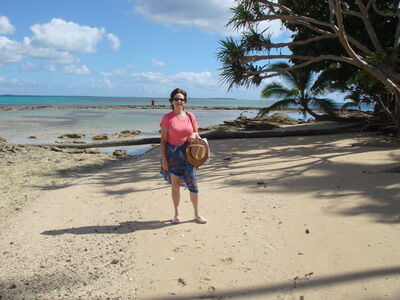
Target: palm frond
230,54
326,105
253,40
303,79
287,76
323,83
282,104
232,75
230,51
350,104
278,91
242,16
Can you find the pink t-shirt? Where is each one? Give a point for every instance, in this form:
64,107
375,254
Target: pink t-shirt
178,130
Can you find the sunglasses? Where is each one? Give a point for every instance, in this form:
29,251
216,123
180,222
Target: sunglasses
179,99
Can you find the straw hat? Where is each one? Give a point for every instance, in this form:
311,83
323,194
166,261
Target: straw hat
197,152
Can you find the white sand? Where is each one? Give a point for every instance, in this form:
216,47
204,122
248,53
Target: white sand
103,232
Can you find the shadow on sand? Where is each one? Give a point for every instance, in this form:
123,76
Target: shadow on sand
121,228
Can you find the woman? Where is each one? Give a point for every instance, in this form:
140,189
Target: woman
177,127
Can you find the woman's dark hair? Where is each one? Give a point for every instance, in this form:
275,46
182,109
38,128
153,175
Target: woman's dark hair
177,91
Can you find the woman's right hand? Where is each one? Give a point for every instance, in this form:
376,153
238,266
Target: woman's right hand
165,165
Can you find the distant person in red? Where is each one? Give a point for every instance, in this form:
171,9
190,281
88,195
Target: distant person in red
152,102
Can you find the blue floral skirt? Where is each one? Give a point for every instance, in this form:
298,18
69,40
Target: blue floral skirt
180,167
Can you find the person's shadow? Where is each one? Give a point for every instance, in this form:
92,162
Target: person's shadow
121,228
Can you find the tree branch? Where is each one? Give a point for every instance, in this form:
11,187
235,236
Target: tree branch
391,114
382,73
370,2
397,37
371,32
304,42
386,77
296,19
396,14
278,72
353,13
280,6
313,59
336,10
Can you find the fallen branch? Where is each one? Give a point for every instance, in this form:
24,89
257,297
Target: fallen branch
220,135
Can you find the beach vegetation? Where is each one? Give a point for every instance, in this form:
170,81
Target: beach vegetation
354,39
301,91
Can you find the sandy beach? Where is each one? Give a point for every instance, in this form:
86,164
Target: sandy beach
314,217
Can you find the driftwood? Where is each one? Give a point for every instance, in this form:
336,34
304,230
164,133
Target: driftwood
223,134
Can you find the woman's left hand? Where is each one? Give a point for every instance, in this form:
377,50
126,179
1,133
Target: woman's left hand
193,136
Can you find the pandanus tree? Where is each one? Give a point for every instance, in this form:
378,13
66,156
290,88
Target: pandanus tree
301,90
361,34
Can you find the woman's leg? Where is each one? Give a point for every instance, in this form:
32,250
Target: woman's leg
195,201
175,192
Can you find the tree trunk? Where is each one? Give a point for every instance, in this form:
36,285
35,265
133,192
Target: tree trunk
313,114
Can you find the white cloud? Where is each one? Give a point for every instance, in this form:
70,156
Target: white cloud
106,82
199,84
147,80
208,15
56,41
10,51
157,63
190,80
121,72
72,69
5,26
66,36
50,68
28,66
13,51
115,43
50,54
8,84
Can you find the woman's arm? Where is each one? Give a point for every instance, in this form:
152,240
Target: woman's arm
163,147
195,133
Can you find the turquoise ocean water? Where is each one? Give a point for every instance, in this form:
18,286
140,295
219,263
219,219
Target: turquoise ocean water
12,101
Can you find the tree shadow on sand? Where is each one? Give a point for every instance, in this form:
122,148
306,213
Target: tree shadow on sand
41,285
295,285
114,173
282,165
282,168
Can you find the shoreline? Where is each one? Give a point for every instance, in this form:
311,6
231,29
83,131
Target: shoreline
62,107
65,107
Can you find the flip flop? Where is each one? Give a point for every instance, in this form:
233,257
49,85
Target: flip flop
175,220
200,220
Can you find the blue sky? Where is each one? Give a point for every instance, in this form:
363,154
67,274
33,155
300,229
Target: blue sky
115,47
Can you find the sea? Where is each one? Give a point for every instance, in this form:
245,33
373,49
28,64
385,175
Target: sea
46,125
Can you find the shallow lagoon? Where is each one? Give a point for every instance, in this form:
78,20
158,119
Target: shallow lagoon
17,126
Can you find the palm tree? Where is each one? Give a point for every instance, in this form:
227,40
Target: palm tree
301,91
355,101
